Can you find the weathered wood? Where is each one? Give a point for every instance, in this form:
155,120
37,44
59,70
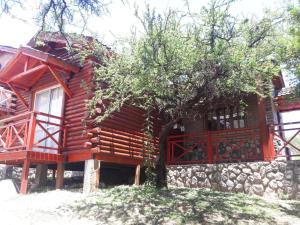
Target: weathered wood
60,81
91,175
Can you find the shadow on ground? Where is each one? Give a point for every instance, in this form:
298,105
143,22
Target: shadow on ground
128,205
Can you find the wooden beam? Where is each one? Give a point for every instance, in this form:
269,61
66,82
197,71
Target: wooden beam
24,177
263,129
28,72
137,174
46,58
19,95
60,175
60,81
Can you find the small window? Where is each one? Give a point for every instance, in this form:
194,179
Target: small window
231,117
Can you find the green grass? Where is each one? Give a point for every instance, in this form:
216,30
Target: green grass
142,205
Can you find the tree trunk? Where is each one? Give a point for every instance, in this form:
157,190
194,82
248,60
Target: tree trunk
161,179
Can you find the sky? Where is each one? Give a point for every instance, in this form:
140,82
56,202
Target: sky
119,20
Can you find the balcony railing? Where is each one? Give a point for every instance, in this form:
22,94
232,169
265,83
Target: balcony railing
286,139
7,100
215,147
32,131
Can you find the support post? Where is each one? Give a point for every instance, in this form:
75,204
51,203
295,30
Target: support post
41,174
263,129
60,175
8,171
137,174
91,175
24,178
210,153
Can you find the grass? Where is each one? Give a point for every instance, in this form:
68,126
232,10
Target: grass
144,205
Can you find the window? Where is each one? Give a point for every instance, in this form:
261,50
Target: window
230,117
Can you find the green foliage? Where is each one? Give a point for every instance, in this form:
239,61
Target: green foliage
182,62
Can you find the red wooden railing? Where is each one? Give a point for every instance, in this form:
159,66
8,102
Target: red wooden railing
19,133
286,139
7,100
215,147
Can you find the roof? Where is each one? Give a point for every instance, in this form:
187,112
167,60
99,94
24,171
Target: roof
4,48
28,64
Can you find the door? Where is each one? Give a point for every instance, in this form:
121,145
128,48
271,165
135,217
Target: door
48,101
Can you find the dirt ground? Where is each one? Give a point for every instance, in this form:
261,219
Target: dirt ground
131,205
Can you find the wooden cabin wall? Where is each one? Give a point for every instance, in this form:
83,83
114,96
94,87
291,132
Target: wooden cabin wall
123,133
76,111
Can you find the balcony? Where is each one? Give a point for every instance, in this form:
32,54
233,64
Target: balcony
7,101
42,135
234,145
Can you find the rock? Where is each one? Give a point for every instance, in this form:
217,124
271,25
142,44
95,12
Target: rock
258,189
279,176
232,176
247,171
269,168
256,178
265,181
241,178
182,173
207,183
281,166
236,171
262,171
289,175
254,166
270,175
239,188
230,185
194,181
273,184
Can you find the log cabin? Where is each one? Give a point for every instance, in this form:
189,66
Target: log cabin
44,121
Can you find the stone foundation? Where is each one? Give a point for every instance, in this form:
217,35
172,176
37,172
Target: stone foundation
279,179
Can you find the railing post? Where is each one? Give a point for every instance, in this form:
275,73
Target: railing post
31,135
210,153
168,151
271,142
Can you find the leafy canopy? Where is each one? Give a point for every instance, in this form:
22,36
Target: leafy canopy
181,62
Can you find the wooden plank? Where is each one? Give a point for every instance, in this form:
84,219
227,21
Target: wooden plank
33,70
117,159
60,81
18,95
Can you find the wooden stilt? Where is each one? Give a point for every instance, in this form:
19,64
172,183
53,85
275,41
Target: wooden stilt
24,178
91,175
60,176
53,174
137,174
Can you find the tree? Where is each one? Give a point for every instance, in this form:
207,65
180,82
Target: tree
292,53
54,15
183,62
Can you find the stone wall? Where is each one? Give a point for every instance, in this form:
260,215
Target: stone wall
277,179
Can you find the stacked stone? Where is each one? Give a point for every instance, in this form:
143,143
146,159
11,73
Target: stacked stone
276,179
